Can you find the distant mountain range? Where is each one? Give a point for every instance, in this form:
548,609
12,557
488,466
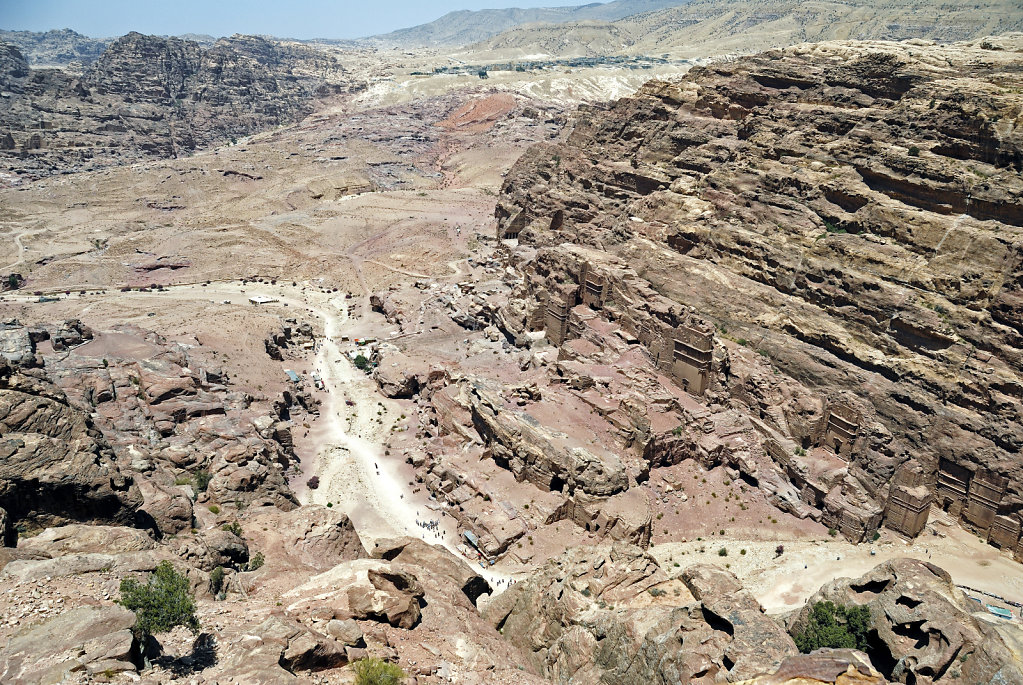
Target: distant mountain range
56,48
466,26
715,27
684,28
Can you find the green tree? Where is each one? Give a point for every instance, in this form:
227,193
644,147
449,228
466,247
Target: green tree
836,626
377,672
164,602
361,363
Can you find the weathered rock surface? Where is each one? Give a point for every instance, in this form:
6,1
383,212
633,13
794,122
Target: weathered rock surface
170,418
93,639
279,647
310,537
397,375
60,47
923,627
419,598
838,666
609,614
851,208
83,539
55,466
147,96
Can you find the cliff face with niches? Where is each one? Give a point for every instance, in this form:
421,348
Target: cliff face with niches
851,211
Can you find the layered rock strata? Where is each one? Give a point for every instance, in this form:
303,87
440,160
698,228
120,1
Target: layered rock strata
849,211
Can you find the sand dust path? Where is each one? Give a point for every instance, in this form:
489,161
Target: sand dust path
782,583
356,476
21,250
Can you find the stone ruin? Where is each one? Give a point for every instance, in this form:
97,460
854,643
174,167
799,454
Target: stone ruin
909,502
684,352
839,429
975,499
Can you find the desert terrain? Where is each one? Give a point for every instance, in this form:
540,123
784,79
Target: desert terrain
548,376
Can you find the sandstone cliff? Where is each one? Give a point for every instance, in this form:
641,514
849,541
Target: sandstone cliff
849,211
149,96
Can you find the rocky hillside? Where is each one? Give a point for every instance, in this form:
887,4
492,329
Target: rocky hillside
716,27
467,26
59,47
825,239
147,96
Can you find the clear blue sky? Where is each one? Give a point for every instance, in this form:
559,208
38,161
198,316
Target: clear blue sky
292,19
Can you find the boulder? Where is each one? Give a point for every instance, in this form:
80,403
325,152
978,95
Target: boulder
80,538
276,649
311,537
208,549
397,375
392,597
923,627
609,614
837,666
167,510
347,632
16,345
95,639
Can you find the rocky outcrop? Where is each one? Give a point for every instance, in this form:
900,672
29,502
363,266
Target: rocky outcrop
531,451
609,614
816,239
82,539
442,564
396,375
171,418
420,599
922,626
96,640
838,666
149,96
55,466
60,47
277,648
310,537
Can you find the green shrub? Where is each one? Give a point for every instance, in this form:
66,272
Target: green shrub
834,626
164,602
217,580
377,672
722,552
202,480
256,562
232,527
914,151
832,532
214,509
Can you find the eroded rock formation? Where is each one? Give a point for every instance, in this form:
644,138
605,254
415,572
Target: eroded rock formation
149,96
848,211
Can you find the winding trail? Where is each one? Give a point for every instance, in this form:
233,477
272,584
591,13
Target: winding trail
21,250
355,473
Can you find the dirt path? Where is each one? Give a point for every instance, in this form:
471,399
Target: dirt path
395,269
356,475
21,250
784,582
